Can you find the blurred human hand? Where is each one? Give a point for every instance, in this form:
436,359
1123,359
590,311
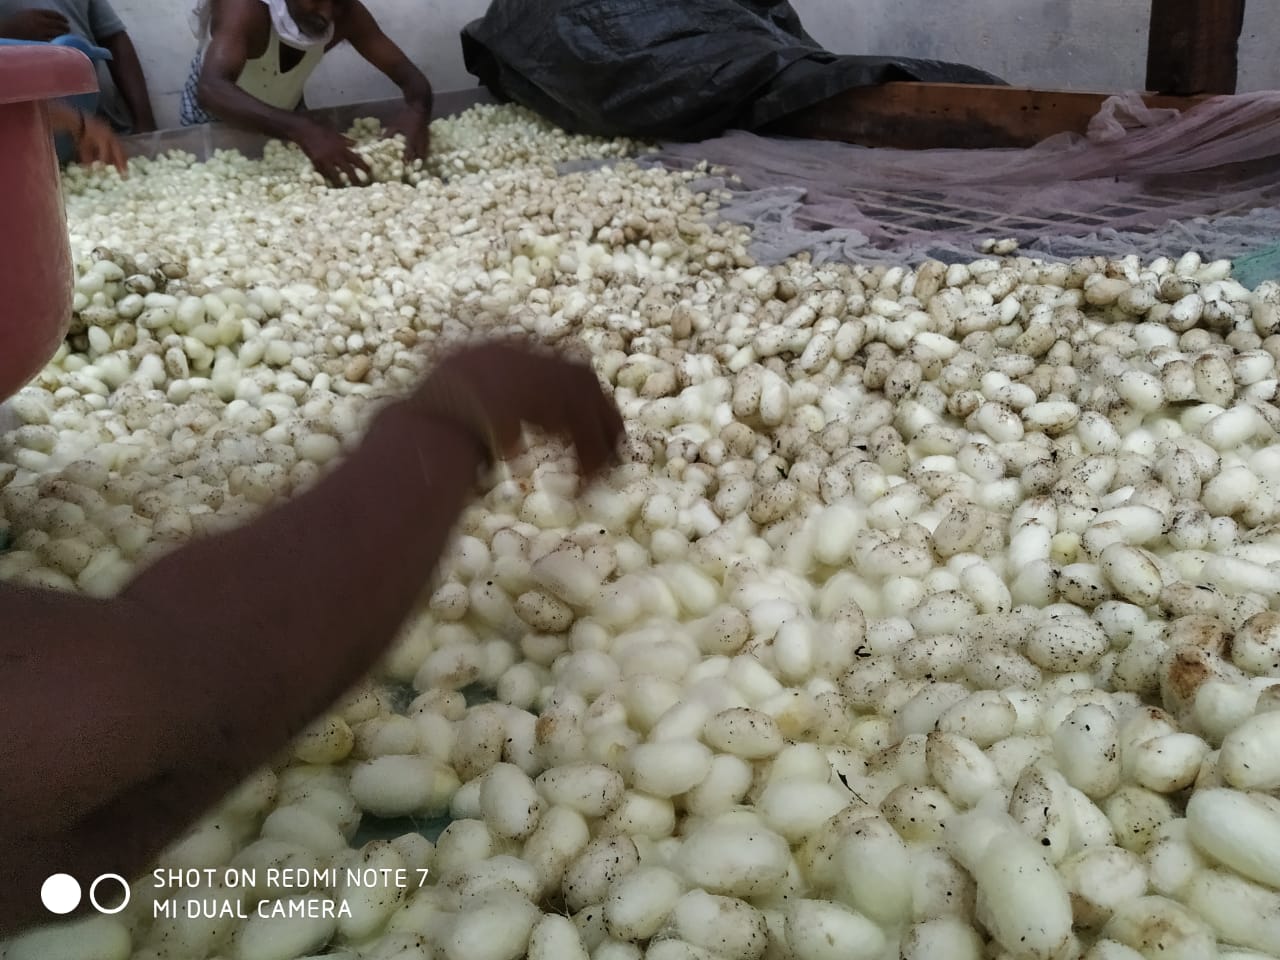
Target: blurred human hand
496,388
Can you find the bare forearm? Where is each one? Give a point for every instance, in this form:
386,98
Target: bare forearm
228,103
125,719
300,604
413,84
383,54
209,662
126,71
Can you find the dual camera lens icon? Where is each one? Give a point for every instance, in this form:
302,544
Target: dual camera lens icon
61,893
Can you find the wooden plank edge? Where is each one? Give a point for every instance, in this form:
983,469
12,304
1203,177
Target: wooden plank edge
921,116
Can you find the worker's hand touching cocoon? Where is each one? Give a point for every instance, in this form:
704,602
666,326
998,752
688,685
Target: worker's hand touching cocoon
497,388
332,154
256,57
414,124
95,141
277,626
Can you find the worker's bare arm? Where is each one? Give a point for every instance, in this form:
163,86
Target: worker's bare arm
126,719
234,26
237,27
217,654
378,49
362,30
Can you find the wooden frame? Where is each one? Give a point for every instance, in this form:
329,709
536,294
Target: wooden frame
1191,54
922,116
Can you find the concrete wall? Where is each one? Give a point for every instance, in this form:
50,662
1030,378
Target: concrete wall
1073,44
1069,44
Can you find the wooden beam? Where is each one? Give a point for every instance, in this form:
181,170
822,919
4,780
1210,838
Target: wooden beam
1192,46
922,116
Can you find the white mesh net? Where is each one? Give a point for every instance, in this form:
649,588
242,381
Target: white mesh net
1141,181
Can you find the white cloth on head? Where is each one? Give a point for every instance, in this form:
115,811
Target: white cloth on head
283,22
289,31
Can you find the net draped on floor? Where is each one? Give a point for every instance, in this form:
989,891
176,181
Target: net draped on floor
1141,181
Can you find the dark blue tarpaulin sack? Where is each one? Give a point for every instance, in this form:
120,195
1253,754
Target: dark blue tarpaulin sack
669,69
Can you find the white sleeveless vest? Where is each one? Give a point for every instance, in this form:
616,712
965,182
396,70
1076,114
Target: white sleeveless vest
261,79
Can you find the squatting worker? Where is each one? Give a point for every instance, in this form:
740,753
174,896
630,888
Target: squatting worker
256,56
123,100
127,719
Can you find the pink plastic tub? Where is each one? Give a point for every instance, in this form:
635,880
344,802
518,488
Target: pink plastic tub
36,276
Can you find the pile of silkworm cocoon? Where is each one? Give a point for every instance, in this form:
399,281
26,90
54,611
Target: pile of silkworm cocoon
932,614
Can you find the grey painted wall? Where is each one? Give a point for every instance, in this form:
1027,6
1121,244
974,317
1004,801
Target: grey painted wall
1071,44
1068,44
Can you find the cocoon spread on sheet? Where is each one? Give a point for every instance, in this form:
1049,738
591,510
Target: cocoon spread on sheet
930,615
